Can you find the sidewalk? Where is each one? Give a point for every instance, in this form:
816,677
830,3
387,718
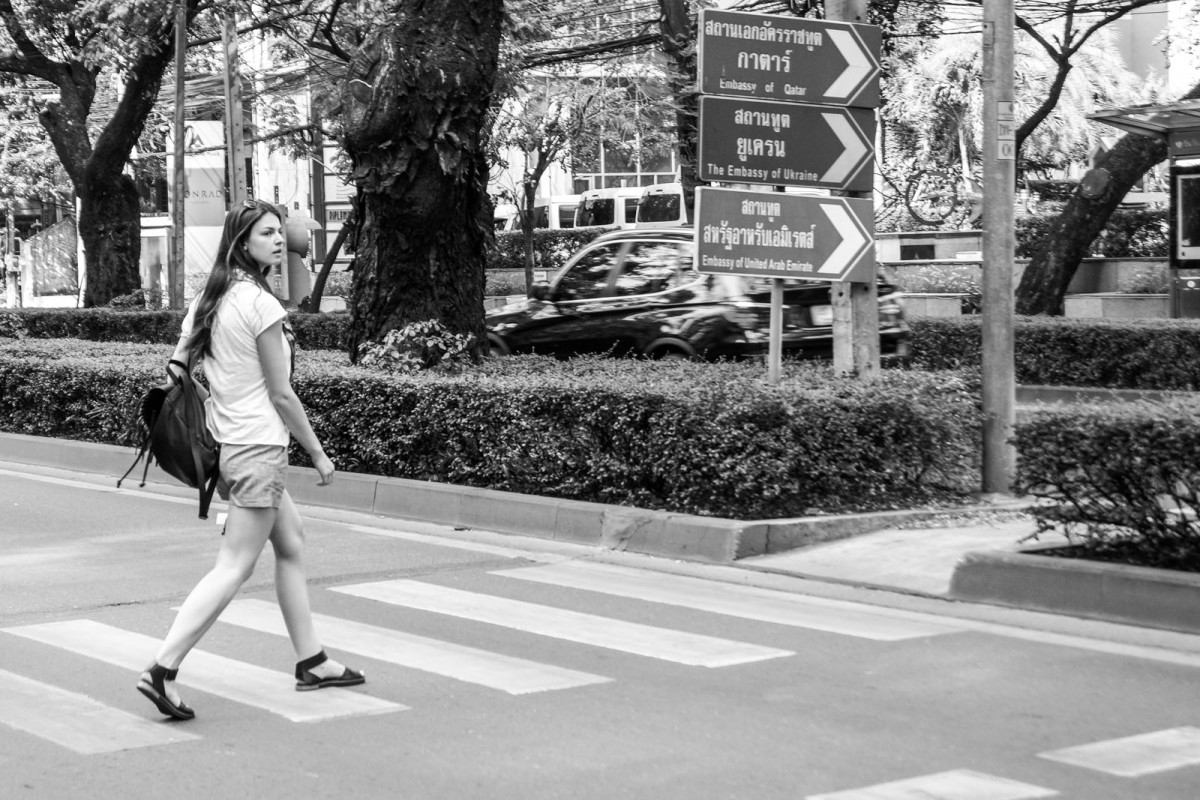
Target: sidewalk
919,559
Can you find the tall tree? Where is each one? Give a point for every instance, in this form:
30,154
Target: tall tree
541,121
79,48
1068,241
418,88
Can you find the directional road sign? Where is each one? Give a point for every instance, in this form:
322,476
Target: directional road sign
789,58
780,235
785,144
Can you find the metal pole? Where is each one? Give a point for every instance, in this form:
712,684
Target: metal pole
175,265
775,333
999,179
855,304
234,141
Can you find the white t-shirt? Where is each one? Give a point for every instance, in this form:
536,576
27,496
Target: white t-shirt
239,406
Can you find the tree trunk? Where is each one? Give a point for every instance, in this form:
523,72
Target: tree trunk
678,28
528,192
416,100
110,229
1053,265
318,290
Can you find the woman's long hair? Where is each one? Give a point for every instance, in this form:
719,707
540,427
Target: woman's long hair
231,258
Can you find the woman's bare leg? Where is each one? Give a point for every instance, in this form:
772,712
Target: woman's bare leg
246,531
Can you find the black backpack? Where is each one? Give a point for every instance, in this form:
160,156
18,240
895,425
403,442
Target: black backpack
171,424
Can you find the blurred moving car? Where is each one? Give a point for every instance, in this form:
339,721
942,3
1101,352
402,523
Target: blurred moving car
638,292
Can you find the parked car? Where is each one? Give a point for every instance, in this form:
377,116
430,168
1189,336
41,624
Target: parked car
638,292
661,204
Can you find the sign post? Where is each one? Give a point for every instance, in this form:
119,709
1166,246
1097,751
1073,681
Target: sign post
788,102
999,177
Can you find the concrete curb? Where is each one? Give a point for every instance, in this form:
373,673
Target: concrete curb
614,527
1156,598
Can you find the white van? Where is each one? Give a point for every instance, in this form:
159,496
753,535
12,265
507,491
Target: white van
554,212
504,217
662,204
614,208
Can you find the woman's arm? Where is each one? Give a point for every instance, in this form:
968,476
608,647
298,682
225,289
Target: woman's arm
275,364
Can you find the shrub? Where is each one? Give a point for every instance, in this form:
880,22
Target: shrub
690,438
1130,233
1053,351
1123,478
313,331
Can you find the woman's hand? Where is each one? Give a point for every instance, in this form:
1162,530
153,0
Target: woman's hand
325,469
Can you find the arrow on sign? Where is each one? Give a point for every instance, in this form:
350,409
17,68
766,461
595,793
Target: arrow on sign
853,152
858,66
854,240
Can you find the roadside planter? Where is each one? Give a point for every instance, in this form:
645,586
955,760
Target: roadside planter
922,304
1159,598
1117,305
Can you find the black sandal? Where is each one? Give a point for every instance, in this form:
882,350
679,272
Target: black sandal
151,685
307,682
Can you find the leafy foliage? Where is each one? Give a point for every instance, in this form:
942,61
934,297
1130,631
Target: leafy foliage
708,439
1121,479
418,346
1052,351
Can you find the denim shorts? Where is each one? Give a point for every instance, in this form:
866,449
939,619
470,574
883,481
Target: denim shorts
253,475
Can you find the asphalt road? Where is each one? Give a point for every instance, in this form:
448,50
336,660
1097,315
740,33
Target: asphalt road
503,669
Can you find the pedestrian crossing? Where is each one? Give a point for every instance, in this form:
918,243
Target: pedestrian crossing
69,719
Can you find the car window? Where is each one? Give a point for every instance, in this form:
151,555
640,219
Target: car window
631,205
596,211
587,278
654,267
658,208
566,216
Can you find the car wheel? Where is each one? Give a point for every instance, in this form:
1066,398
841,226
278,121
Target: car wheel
671,354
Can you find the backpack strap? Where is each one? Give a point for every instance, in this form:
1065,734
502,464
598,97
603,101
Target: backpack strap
206,490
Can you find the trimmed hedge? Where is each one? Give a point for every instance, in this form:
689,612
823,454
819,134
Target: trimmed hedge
1053,351
313,331
1130,233
1121,477
707,439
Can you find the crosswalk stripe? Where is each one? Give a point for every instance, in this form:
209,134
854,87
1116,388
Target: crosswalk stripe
629,637
746,602
1134,756
493,670
76,721
235,680
958,784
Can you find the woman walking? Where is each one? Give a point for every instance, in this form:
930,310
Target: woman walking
238,328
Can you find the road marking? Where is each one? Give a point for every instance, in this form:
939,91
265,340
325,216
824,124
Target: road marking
1135,756
958,784
745,602
235,680
76,721
493,670
629,637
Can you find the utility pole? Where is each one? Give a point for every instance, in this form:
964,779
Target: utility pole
234,143
855,304
999,181
175,265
